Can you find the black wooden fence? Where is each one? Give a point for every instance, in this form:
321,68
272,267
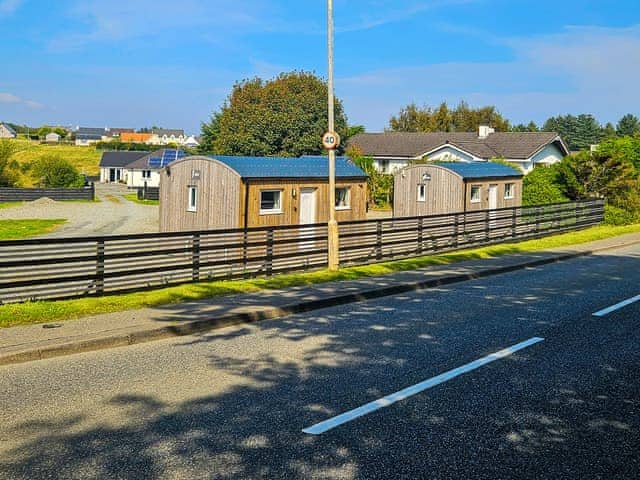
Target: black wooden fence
8,194
73,267
148,193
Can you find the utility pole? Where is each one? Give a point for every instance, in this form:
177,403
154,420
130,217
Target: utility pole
332,240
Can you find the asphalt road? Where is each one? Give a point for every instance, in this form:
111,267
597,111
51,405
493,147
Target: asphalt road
232,404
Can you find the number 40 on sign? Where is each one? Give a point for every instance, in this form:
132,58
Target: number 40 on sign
330,140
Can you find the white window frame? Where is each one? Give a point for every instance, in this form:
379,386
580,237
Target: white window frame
347,199
192,199
277,203
422,192
479,199
511,190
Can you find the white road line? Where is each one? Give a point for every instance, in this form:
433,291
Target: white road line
612,308
333,422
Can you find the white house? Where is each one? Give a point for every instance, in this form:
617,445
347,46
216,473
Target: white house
392,151
162,136
6,131
52,137
191,142
113,165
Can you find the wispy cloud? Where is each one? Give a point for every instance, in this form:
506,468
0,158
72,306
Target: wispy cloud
7,7
582,69
390,11
14,99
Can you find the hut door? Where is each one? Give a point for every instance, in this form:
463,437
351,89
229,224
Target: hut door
493,204
307,214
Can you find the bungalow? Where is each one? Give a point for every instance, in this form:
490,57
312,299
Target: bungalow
6,131
391,151
162,136
202,193
439,188
88,135
113,165
52,137
147,169
133,137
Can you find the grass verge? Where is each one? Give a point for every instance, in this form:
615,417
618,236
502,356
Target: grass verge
17,229
9,204
133,197
38,312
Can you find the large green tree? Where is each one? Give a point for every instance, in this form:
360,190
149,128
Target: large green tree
578,132
462,118
284,116
628,125
8,166
53,171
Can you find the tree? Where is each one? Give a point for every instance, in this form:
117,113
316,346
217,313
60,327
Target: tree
578,132
521,127
354,130
628,125
379,185
623,148
284,116
52,171
44,131
541,186
8,166
443,119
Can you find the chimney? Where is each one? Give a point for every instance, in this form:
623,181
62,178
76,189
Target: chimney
484,131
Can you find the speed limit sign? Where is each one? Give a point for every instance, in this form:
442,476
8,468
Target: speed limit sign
330,140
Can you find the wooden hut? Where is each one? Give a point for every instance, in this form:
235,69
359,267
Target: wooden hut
436,188
216,192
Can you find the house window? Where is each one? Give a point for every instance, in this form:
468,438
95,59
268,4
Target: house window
509,189
475,194
270,201
422,192
343,198
193,198
384,166
146,173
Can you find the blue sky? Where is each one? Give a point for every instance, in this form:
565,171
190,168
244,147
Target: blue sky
139,63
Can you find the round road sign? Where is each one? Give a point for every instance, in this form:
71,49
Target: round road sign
330,140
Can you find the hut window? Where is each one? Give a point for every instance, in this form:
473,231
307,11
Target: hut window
343,198
193,198
146,173
475,193
508,190
422,192
270,201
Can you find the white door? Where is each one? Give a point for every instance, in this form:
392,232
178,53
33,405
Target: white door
493,204
307,214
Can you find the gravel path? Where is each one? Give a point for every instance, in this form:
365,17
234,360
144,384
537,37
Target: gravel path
112,215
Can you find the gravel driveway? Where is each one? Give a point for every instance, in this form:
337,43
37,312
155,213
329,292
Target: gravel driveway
112,215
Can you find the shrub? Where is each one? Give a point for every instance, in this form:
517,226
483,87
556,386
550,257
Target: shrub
52,171
619,216
541,186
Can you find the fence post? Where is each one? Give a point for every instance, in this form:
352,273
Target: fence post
487,225
514,222
456,227
100,267
379,240
420,228
195,256
269,259
144,191
93,191
537,220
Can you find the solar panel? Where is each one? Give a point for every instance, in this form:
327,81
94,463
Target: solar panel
167,156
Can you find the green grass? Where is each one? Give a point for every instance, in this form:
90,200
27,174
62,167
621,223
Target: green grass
85,159
133,197
9,204
38,312
17,229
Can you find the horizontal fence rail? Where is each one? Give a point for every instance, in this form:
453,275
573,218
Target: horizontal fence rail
39,269
8,194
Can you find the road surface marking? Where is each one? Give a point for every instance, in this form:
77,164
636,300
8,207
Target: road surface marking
624,303
333,422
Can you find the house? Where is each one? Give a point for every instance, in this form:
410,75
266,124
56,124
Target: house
52,137
392,151
147,169
113,165
162,136
191,142
213,192
132,137
6,131
89,135
438,188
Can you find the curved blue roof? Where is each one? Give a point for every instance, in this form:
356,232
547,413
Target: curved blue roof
287,167
480,169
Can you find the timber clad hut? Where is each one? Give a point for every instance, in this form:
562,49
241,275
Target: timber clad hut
438,188
222,192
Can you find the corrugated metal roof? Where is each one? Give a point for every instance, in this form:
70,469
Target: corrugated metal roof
480,169
285,167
